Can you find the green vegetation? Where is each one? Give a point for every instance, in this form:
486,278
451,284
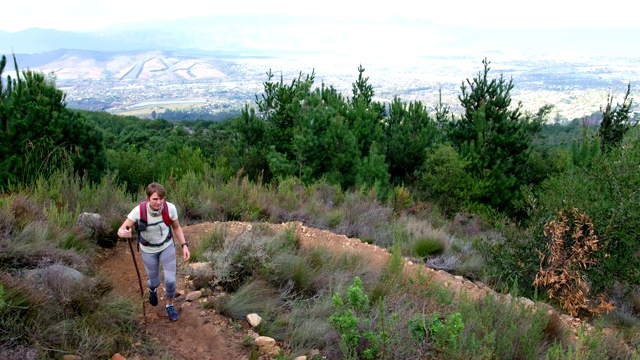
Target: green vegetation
39,134
475,195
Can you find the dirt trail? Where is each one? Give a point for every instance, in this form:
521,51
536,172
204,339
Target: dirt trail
198,334
203,334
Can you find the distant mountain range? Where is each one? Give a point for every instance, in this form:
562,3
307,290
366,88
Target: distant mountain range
124,65
268,35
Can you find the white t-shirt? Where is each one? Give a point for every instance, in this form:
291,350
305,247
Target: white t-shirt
155,234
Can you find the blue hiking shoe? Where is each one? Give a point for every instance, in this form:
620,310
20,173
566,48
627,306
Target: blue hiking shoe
153,297
173,314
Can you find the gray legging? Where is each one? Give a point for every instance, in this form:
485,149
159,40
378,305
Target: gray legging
152,265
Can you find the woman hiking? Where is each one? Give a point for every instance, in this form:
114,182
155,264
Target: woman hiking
156,222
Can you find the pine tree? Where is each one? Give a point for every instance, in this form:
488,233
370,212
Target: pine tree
615,121
39,133
364,115
494,136
409,132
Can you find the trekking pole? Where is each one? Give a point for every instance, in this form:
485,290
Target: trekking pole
133,255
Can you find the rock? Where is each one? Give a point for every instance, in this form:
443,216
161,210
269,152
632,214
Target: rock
93,225
89,219
264,341
55,271
300,358
314,352
528,303
254,319
267,345
201,267
193,295
117,356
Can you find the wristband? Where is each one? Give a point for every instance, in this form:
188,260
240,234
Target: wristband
185,244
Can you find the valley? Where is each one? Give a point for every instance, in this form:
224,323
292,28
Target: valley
139,83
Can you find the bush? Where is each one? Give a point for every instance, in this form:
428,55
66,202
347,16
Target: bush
426,247
607,192
572,247
445,179
504,329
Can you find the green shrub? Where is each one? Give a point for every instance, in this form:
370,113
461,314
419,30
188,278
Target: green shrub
607,192
295,271
446,179
351,316
22,211
506,329
207,244
592,345
249,253
513,259
52,318
254,296
308,324
426,247
443,334
365,217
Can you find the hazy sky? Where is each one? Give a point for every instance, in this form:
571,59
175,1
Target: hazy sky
95,14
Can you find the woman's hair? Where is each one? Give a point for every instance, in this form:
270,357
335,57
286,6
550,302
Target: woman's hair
156,188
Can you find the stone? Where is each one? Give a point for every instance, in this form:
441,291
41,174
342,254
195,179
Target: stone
193,295
314,352
267,345
254,319
264,341
55,271
200,267
117,356
89,219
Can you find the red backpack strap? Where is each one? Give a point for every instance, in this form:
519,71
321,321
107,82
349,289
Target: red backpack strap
143,210
165,214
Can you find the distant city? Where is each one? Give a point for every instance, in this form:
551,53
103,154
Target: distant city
108,72
576,88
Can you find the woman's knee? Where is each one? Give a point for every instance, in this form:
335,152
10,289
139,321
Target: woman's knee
170,284
171,289
153,283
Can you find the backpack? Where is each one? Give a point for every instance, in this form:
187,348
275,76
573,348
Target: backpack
141,224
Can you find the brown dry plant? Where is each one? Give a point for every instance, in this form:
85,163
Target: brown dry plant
572,247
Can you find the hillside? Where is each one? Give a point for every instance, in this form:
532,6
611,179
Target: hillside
206,335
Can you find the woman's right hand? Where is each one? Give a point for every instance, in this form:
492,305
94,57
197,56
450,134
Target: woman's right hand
124,232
